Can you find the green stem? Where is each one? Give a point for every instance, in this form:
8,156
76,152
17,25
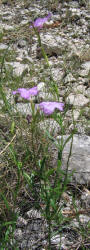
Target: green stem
40,45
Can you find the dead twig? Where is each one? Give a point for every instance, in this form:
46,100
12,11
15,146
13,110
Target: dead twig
8,144
73,213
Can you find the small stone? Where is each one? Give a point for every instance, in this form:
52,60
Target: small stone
84,218
69,78
8,27
77,100
3,46
21,222
41,86
55,240
87,92
50,125
45,96
23,108
24,244
53,46
18,68
18,234
85,198
76,114
33,214
80,89
86,65
80,158
83,73
59,241
22,43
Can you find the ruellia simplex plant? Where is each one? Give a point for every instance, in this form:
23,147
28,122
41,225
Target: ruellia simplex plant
52,180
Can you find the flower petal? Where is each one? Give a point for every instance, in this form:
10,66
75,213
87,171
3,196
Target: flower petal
14,92
49,107
38,23
26,93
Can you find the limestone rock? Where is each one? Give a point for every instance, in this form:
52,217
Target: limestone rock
79,160
18,68
77,100
50,125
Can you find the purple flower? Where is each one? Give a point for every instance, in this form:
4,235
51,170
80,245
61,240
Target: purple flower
49,107
38,23
26,93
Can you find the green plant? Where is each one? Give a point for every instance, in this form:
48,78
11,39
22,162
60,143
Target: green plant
50,192
7,225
